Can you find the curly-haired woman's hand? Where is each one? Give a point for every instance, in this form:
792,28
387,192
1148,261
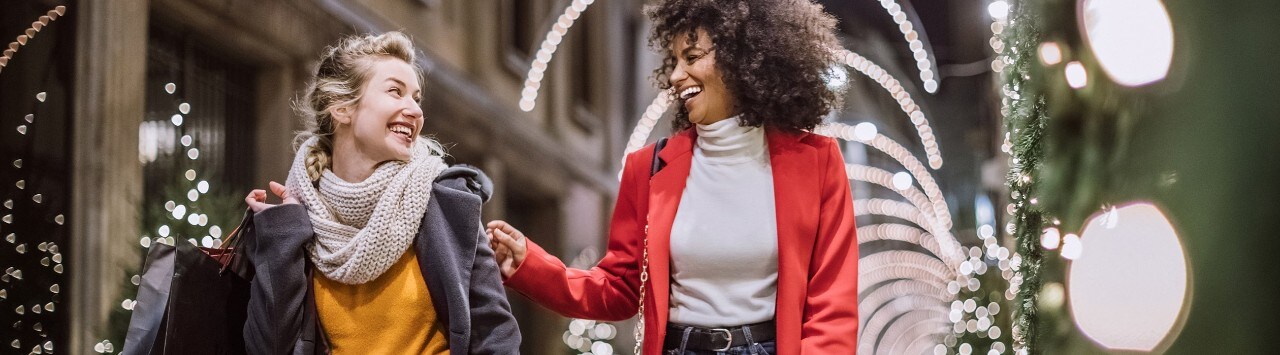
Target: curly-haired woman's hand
508,245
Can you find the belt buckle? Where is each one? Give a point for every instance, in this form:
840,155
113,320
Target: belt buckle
727,335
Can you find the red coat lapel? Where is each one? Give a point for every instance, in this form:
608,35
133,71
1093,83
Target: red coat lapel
796,192
666,188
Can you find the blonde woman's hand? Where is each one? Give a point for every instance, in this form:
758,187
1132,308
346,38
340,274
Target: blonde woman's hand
257,199
509,247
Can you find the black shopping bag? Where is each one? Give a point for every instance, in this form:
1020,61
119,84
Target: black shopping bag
192,300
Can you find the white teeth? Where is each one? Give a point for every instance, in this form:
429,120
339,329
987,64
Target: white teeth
401,129
690,92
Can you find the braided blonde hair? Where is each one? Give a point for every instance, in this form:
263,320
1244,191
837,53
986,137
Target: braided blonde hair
344,69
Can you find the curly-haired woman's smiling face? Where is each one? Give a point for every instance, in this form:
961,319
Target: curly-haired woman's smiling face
696,80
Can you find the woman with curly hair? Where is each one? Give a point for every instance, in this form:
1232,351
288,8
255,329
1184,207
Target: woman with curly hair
743,242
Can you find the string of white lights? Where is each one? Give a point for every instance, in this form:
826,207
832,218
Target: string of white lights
924,295
889,208
897,264
155,138
867,134
908,105
29,33
880,321
918,50
949,248
892,258
926,339
902,233
884,178
533,80
999,12
900,305
902,335
648,120
48,251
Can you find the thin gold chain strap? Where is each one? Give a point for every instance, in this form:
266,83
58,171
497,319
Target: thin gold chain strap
644,277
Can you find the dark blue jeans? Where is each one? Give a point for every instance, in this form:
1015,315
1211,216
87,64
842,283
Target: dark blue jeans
753,348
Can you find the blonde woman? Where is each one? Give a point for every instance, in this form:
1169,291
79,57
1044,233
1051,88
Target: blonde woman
377,246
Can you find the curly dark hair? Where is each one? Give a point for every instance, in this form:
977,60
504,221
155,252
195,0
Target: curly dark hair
773,55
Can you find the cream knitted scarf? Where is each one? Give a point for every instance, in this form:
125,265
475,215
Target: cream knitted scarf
362,228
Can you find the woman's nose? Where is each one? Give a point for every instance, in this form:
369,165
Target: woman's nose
414,109
678,74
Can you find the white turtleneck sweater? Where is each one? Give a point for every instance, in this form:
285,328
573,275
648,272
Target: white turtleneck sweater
724,241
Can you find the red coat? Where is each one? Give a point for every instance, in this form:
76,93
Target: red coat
817,303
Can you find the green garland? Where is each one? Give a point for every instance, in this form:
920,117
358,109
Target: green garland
1070,151
1025,120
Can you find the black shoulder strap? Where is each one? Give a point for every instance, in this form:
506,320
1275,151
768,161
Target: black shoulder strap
657,163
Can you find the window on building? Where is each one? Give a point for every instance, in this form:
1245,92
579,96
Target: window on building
583,64
520,19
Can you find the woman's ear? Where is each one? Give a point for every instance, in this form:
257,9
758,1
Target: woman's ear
341,114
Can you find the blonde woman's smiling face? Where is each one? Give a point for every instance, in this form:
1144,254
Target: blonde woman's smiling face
386,121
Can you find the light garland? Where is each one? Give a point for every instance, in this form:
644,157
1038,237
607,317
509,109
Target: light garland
30,33
905,102
901,233
883,178
913,333
648,120
541,60
918,49
584,335
1027,222
881,324
889,208
865,133
925,219
152,138
48,252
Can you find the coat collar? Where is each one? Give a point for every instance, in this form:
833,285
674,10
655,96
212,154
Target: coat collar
681,144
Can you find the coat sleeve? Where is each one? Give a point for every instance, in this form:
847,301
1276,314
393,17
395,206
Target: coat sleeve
610,290
493,327
279,285
831,307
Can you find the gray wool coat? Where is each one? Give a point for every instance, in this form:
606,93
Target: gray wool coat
456,261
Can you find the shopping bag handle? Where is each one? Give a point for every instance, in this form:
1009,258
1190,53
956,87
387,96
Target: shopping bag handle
231,244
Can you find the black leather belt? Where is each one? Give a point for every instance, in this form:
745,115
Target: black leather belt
718,339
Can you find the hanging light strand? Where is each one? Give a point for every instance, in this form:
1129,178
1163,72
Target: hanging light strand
905,102
29,34
896,151
547,50
919,51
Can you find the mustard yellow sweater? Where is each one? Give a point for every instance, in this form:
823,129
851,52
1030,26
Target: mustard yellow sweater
389,315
